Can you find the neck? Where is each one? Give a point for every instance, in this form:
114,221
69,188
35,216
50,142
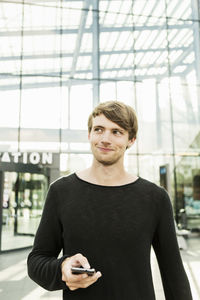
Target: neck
108,175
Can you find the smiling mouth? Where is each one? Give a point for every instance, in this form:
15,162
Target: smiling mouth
105,149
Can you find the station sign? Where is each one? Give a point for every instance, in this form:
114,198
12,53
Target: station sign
34,158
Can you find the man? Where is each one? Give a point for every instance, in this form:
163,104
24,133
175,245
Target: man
106,218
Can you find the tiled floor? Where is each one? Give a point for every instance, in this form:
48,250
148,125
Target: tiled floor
25,225
15,284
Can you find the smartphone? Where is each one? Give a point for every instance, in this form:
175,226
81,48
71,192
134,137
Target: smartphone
76,270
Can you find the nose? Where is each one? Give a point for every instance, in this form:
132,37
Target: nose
105,137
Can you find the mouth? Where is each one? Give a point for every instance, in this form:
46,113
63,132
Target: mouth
105,149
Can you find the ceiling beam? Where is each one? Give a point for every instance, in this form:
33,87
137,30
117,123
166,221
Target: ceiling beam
113,52
43,135
102,29
79,37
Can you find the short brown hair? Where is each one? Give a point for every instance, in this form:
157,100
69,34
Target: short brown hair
119,113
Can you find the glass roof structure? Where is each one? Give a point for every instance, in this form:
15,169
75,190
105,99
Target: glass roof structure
60,58
45,40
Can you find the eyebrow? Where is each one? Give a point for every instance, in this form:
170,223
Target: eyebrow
115,128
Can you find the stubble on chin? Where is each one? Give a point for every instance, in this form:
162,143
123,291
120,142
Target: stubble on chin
106,162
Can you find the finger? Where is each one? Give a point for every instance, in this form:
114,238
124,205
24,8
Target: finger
98,274
82,260
95,277
76,260
71,287
76,278
79,285
81,279
88,280
84,284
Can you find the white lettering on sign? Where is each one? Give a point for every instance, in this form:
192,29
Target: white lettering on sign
34,158
16,156
5,157
47,158
25,157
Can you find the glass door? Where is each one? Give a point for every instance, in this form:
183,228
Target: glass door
23,200
188,192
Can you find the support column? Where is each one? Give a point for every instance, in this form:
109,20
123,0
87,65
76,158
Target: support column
196,30
158,119
95,53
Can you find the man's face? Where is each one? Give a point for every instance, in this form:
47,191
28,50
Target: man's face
108,140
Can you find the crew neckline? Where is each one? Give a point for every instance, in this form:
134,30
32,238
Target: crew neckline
106,186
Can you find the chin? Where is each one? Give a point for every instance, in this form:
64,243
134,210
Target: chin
107,162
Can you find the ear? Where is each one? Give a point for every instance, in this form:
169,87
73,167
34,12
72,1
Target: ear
131,142
88,135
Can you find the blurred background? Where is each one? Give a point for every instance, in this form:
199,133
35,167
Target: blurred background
59,59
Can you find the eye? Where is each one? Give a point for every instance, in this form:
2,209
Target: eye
117,132
98,130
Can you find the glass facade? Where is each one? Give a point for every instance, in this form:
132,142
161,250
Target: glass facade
58,59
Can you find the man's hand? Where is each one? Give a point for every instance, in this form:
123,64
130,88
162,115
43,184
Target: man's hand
75,282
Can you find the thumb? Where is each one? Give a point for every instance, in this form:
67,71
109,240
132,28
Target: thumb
79,259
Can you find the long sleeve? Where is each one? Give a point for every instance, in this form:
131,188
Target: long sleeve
43,265
175,281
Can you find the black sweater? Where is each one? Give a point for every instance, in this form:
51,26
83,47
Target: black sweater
114,227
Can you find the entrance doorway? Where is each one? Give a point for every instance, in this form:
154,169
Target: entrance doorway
23,197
